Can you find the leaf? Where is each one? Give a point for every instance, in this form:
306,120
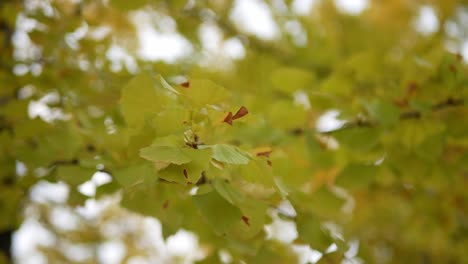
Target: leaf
170,121
310,231
189,172
323,203
228,192
125,5
166,85
140,99
289,79
253,210
169,154
230,154
384,112
357,176
133,174
205,92
74,174
217,212
358,139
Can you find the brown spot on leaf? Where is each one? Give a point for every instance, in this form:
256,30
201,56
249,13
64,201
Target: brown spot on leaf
452,68
269,163
202,179
185,174
166,204
185,84
240,113
228,119
264,153
246,220
411,88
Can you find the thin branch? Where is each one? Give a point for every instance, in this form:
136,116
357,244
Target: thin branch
413,114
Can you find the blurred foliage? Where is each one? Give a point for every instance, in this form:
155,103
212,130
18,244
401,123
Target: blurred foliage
242,132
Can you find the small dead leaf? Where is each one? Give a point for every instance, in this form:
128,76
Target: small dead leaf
228,119
240,113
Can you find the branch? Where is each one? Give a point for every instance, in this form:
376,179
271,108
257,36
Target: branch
413,114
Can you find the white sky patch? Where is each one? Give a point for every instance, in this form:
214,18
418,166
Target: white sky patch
184,246
234,49
155,46
301,98
254,17
26,240
352,7
76,252
464,51
303,7
99,33
100,178
158,38
298,34
332,248
21,168
281,230
210,36
119,58
72,39
286,208
353,249
306,254
112,252
63,218
427,22
45,191
25,49
93,208
329,121
87,188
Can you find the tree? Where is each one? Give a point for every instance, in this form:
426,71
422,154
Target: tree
219,139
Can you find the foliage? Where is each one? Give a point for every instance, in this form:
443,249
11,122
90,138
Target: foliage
215,145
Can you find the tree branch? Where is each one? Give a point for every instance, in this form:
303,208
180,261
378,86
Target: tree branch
413,114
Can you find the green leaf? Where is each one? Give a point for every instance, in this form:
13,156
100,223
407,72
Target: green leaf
170,121
288,79
230,154
74,174
189,172
169,154
253,210
133,174
205,92
311,232
217,212
166,85
228,192
357,176
139,99
322,203
126,5
358,139
384,112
